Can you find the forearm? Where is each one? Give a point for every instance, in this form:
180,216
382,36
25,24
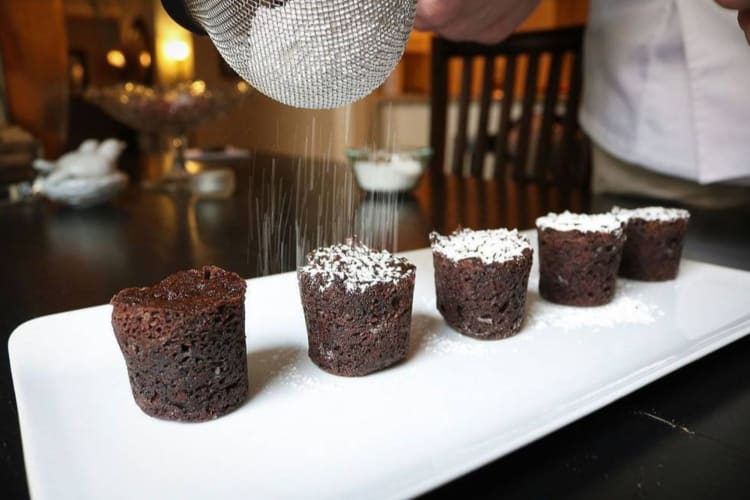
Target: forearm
484,21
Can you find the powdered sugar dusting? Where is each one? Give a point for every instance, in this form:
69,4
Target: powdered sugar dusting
494,245
623,310
295,378
441,343
356,265
585,223
428,332
660,214
287,368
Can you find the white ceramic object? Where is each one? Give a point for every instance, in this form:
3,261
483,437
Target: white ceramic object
385,172
455,404
92,159
86,192
85,177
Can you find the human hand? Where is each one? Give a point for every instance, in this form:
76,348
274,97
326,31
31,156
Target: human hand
483,21
743,16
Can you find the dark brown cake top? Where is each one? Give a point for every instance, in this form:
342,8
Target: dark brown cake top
584,223
186,290
651,214
491,245
356,265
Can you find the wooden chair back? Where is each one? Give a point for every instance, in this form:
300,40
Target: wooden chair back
535,135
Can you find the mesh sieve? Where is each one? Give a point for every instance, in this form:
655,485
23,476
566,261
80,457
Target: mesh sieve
309,53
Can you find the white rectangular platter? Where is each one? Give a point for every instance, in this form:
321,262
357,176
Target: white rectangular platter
453,405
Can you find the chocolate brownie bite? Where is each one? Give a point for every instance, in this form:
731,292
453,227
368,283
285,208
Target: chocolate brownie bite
481,280
653,248
579,255
357,304
183,341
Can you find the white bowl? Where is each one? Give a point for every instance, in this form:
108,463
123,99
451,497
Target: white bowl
388,172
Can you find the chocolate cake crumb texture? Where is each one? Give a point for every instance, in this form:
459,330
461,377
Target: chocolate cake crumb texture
355,264
357,304
585,223
494,245
183,341
481,280
655,237
578,264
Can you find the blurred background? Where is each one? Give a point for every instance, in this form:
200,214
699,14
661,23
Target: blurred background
53,51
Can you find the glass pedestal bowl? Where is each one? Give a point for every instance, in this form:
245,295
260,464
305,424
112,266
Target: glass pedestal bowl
172,111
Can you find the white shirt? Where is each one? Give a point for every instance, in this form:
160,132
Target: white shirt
667,87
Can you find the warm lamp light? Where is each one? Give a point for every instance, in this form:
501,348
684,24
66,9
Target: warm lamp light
176,50
77,72
144,58
116,58
198,87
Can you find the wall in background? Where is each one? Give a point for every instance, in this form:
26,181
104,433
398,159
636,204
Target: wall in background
95,28
34,53
393,116
3,112
174,50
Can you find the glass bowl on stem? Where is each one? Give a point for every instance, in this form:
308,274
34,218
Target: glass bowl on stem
171,110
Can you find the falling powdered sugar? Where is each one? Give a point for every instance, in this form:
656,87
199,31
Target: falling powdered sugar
356,265
493,245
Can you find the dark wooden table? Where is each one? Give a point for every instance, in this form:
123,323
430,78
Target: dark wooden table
54,259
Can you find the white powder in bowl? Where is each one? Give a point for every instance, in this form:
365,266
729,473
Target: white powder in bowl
398,173
492,245
585,223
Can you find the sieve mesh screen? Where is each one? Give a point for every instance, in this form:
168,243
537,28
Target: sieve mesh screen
309,53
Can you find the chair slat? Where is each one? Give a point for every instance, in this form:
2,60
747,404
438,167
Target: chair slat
542,167
482,138
438,105
570,125
543,148
520,164
459,150
506,105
